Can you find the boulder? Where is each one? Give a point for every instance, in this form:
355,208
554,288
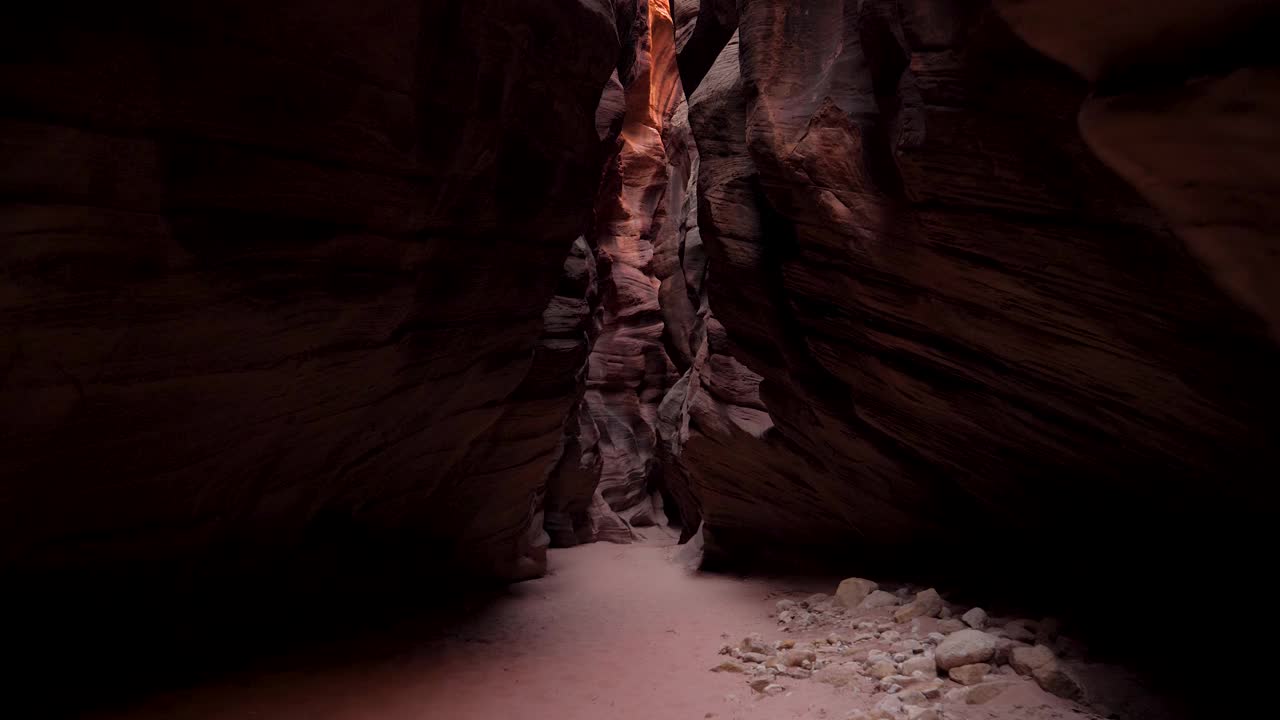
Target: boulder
950,625
889,707
911,696
975,618
852,591
920,663
971,674
878,599
1052,677
927,603
965,647
985,692
882,669
1025,659
915,712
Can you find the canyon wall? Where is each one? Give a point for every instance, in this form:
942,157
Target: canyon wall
275,277
970,329
455,281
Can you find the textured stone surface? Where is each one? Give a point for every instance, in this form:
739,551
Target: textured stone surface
965,647
278,274
956,309
852,591
1189,112
636,239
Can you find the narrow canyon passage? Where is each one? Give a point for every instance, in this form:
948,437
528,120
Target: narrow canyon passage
401,358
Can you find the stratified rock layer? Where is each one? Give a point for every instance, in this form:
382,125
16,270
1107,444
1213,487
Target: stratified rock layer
275,276
641,338
968,328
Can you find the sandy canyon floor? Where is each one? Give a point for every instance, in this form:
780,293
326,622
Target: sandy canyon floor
617,632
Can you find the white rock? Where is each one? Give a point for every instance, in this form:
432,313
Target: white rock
891,636
784,605
965,647
936,637
976,618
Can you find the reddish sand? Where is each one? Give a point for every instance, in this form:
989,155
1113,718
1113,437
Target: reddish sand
612,633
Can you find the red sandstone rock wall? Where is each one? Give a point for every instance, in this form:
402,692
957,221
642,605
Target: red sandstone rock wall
962,318
275,272
643,335
282,274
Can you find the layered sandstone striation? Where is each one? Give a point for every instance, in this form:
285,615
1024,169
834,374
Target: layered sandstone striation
828,276
276,277
643,340
1187,109
966,324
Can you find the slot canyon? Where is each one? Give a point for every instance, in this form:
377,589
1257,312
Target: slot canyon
638,359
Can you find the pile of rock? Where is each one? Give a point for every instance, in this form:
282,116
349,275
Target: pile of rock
916,649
